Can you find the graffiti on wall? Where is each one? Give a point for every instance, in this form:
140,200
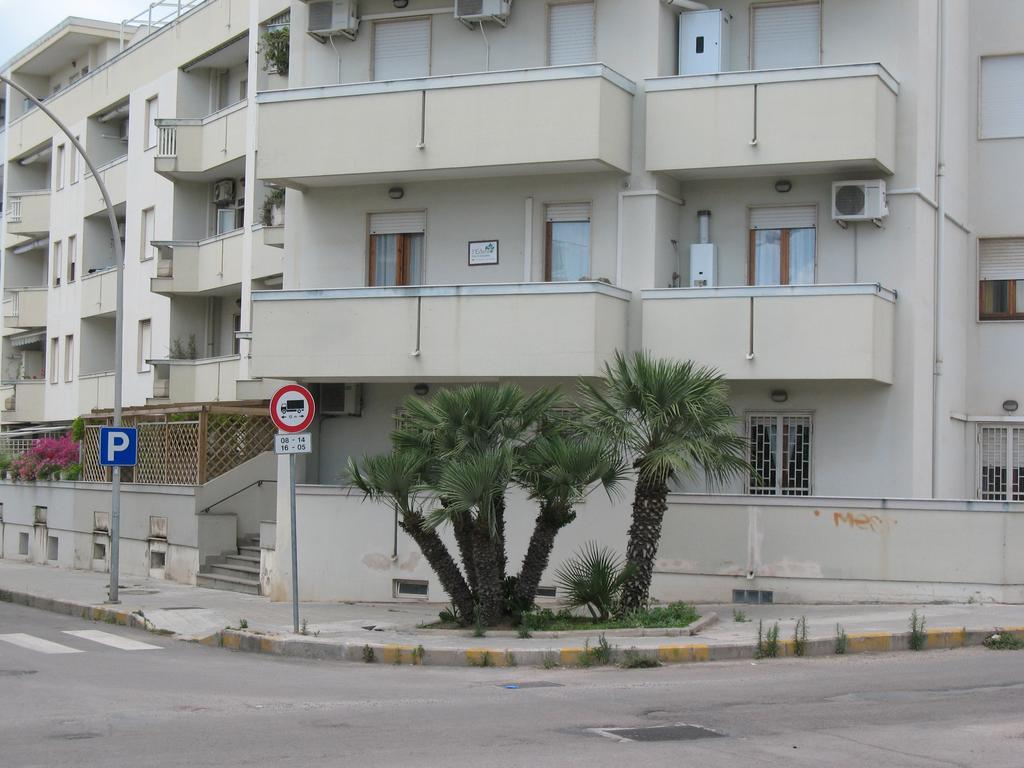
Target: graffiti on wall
861,521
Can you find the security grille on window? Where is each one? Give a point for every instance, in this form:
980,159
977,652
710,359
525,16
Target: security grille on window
780,454
1000,463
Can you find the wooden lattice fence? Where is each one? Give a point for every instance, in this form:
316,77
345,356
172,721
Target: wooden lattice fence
183,446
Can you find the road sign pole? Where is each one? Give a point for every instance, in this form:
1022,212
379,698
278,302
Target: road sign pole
295,546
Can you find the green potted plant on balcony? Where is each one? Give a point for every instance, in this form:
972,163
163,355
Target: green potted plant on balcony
275,47
272,211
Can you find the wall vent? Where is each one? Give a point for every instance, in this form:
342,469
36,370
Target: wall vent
547,592
409,588
753,596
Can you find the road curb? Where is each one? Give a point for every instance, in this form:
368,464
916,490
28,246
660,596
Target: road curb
566,656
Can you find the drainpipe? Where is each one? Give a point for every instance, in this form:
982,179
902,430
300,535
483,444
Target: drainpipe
940,238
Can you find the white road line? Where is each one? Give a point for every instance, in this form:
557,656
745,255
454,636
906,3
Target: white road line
114,641
36,643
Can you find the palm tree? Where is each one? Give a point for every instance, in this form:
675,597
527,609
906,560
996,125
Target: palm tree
671,419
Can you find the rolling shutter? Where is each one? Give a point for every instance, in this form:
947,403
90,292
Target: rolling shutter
568,212
401,49
1001,259
1002,96
571,34
787,36
784,217
404,223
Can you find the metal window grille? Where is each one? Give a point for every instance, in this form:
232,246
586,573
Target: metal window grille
779,447
1000,463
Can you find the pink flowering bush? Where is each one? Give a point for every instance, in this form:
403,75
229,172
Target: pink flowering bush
47,458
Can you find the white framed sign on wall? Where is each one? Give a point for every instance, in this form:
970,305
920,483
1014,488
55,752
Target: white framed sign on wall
483,252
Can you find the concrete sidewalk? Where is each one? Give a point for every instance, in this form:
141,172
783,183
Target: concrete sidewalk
392,630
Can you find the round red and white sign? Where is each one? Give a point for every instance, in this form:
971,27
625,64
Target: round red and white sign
292,408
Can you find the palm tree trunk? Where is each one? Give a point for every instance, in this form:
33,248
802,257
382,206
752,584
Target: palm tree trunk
649,505
538,552
441,561
490,592
462,527
500,557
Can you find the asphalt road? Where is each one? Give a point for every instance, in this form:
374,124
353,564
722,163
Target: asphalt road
96,703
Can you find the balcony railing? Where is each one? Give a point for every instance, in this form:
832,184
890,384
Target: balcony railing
189,147
196,266
203,380
439,332
23,401
95,392
99,292
776,333
570,119
26,308
28,213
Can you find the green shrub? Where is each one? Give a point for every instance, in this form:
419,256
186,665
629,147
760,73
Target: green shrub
918,638
800,637
842,641
1003,641
275,47
593,578
767,642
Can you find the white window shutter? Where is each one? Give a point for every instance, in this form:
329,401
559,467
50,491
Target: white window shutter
401,223
568,212
1001,259
784,217
401,49
787,36
1002,96
571,34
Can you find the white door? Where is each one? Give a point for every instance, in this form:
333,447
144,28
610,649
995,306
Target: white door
401,49
786,36
571,34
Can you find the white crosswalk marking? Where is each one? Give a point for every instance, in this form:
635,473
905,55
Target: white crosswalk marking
114,641
36,643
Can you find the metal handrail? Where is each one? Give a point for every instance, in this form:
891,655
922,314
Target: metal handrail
258,483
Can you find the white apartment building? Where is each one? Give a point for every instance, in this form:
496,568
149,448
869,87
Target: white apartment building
816,197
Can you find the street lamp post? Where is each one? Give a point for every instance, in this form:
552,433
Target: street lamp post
115,487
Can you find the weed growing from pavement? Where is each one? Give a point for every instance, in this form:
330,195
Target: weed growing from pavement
523,631
304,627
598,656
767,642
1003,641
485,660
510,659
550,661
842,641
632,659
918,638
111,618
418,653
739,616
800,637
368,655
243,624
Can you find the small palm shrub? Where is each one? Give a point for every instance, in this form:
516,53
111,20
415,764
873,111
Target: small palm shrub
593,578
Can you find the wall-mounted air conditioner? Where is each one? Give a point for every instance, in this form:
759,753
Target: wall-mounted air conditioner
328,18
859,201
473,11
341,399
224,191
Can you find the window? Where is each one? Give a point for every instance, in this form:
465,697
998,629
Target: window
1000,463
401,49
59,170
780,454
73,173
396,248
570,34
785,35
146,248
782,244
567,246
145,345
227,220
1002,97
72,257
236,326
1001,279
55,269
152,115
54,349
69,358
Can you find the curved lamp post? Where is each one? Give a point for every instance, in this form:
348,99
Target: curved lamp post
115,502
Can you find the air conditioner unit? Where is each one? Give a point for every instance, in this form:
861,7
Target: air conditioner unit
471,11
341,399
333,17
224,191
859,200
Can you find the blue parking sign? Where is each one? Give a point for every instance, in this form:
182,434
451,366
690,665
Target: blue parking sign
119,446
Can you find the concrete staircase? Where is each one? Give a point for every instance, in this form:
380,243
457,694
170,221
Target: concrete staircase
236,573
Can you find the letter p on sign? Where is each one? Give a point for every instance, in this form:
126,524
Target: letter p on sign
118,446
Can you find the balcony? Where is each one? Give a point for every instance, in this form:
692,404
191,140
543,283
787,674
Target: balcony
99,293
194,149
545,120
273,236
95,392
22,401
115,176
776,333
195,381
26,308
808,120
203,266
267,259
438,332
28,213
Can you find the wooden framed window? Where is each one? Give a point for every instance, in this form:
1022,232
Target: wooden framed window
570,34
786,34
396,248
567,242
782,245
1001,278
779,453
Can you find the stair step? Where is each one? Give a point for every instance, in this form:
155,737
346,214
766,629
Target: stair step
233,569
230,583
240,560
250,551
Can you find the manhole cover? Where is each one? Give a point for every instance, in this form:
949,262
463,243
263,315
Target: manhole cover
671,732
531,684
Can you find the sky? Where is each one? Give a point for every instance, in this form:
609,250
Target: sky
22,21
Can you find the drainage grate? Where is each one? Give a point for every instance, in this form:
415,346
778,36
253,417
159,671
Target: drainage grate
671,732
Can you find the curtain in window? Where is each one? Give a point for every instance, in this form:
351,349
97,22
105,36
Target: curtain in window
385,267
570,250
801,256
768,257
414,259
